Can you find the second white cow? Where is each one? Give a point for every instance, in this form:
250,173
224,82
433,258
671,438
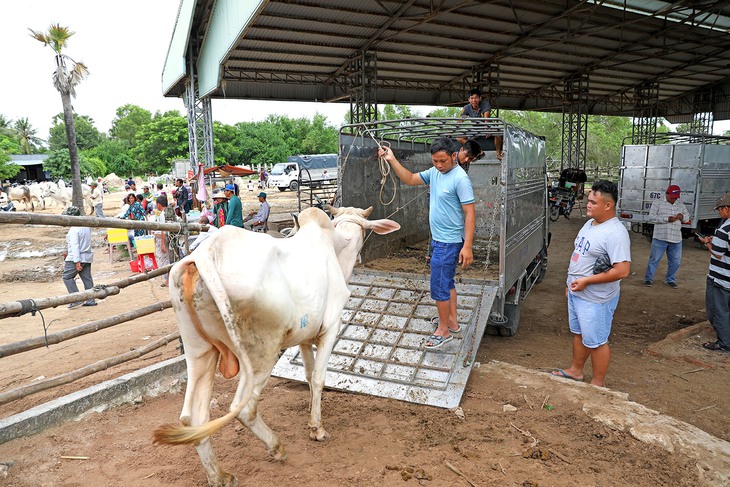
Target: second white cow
243,297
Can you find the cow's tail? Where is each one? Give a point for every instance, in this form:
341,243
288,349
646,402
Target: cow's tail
204,267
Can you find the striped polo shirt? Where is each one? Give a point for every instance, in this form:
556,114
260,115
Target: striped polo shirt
720,268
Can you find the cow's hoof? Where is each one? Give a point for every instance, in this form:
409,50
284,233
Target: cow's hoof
225,480
278,454
318,434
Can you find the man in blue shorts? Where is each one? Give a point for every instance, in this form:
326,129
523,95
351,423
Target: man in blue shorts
601,258
452,220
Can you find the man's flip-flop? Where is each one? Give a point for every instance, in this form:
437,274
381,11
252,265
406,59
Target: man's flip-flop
561,373
435,322
436,341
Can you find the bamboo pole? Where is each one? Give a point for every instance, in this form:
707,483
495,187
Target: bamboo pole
42,385
94,326
98,292
21,217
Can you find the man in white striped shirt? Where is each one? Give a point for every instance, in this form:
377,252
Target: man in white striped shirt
717,294
667,216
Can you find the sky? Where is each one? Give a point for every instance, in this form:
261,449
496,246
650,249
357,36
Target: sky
124,46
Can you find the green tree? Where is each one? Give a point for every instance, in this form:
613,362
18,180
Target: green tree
58,164
321,138
159,142
66,77
87,135
129,121
396,112
114,154
26,135
446,112
8,146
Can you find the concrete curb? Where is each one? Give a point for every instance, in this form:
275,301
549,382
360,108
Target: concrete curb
150,381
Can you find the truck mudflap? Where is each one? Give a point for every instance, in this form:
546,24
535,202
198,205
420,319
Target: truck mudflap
384,324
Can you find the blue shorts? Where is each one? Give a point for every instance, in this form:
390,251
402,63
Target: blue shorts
591,320
444,260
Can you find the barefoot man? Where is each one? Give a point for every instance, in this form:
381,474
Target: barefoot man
601,258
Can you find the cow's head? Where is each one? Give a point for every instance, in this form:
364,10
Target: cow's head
350,225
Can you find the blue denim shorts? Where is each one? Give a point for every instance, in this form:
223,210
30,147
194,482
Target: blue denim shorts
591,320
444,260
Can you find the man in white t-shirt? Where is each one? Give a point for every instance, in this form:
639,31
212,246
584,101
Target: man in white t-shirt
601,258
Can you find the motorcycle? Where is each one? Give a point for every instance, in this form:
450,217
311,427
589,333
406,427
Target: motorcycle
561,201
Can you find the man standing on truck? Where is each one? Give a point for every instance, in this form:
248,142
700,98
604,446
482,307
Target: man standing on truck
667,216
479,108
601,258
452,220
717,294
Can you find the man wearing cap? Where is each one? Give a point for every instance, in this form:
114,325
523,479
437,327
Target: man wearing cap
667,216
235,211
97,199
717,293
77,259
257,219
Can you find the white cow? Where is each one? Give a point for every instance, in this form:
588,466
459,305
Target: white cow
245,296
21,193
64,195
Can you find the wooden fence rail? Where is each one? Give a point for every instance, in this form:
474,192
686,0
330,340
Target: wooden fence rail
42,385
94,326
92,221
16,308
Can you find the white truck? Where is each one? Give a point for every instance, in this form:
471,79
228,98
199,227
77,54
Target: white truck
699,165
308,170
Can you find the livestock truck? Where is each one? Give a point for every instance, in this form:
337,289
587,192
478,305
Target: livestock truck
389,314
698,164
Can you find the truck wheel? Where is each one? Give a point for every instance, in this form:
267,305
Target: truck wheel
554,213
282,189
512,313
543,266
294,185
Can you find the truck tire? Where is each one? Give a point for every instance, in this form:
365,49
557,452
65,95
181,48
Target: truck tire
543,266
294,185
512,313
282,188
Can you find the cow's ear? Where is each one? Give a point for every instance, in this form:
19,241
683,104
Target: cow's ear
381,227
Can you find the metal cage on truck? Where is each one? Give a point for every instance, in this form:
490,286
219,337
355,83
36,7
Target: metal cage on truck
389,313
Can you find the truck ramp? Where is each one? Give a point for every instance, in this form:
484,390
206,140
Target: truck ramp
379,349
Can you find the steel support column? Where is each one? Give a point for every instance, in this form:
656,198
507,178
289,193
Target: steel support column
486,78
575,123
362,83
200,123
645,119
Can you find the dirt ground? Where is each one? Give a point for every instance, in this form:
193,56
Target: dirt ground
374,441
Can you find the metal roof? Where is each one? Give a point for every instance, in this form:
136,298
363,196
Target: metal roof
428,51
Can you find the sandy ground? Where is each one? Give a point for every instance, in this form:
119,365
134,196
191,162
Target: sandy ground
374,441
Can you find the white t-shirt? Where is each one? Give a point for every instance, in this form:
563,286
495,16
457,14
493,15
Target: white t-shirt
594,241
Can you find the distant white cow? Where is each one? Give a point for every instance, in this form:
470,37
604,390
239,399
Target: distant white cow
21,193
64,195
245,311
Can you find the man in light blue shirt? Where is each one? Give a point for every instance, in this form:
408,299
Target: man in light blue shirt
77,259
452,219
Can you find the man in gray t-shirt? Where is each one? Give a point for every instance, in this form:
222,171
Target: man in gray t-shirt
601,258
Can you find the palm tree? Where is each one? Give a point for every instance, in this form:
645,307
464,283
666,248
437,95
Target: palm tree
65,81
26,135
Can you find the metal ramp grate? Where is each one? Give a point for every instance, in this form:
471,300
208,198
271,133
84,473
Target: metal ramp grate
379,352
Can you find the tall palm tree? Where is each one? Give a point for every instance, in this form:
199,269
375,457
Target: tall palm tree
67,75
26,135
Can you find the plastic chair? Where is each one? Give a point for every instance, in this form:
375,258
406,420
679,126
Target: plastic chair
261,228
118,237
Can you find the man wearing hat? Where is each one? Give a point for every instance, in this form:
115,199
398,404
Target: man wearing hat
667,215
97,199
235,210
717,293
257,219
77,259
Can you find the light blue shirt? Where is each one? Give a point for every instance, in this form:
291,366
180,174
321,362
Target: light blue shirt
78,243
448,192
